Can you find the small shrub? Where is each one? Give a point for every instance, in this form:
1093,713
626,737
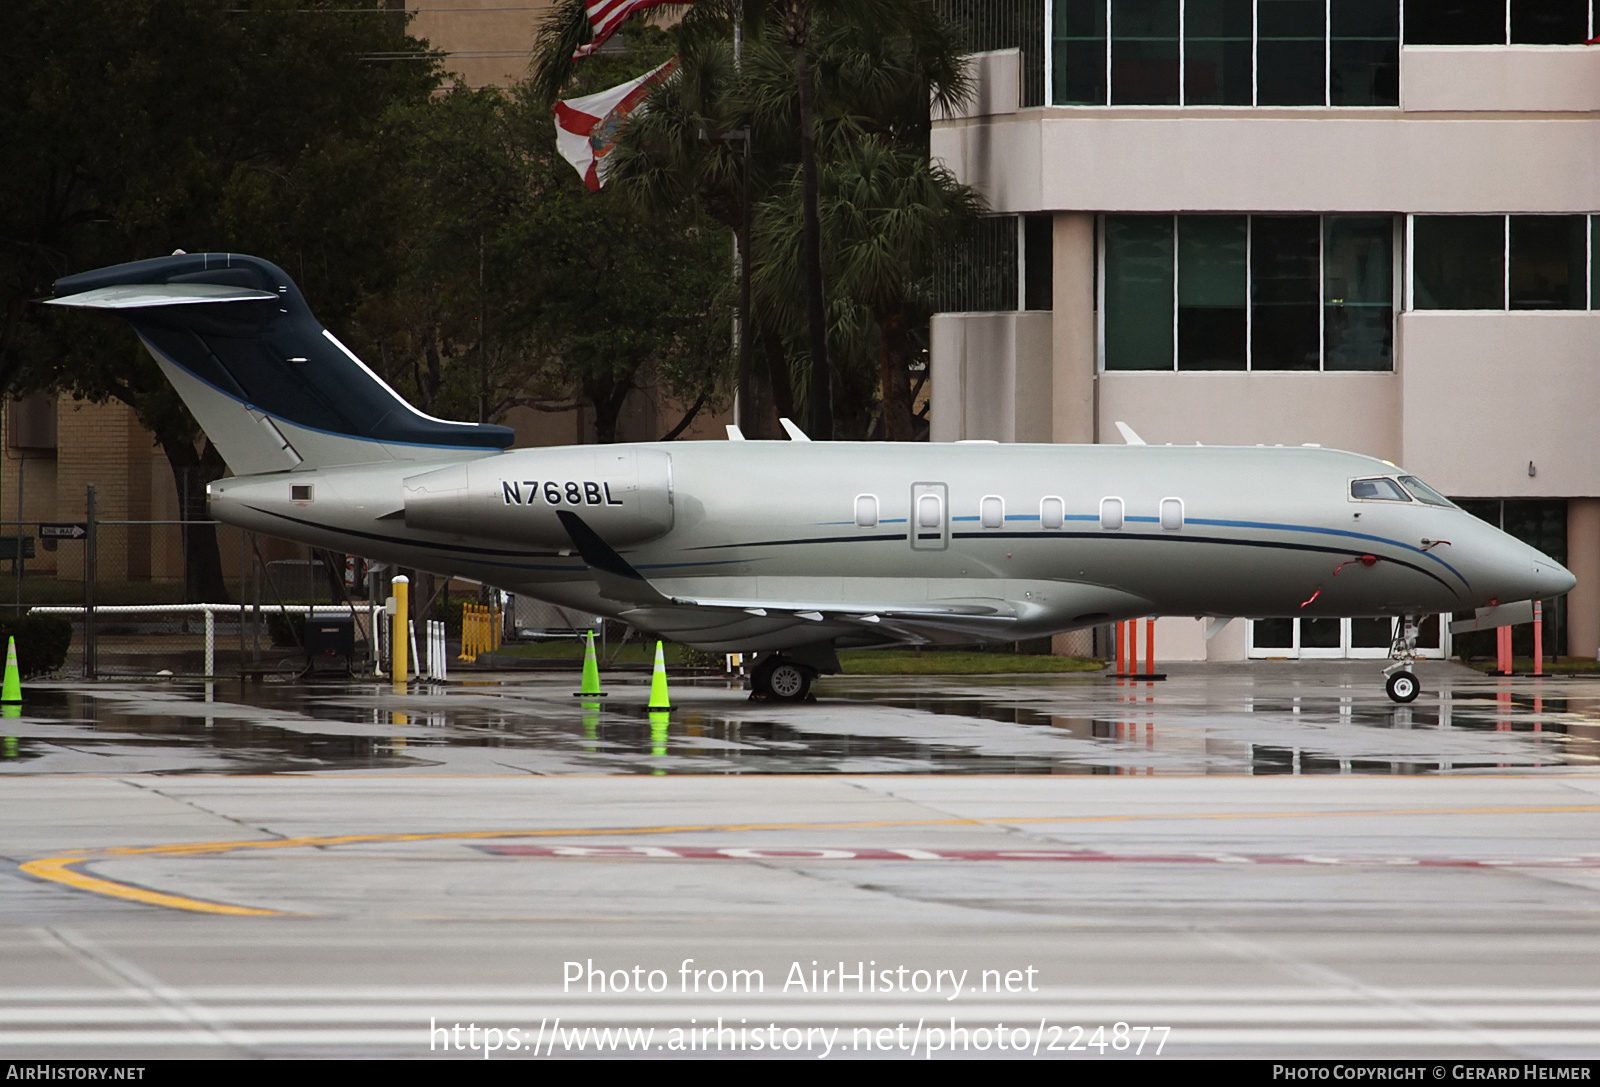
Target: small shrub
700,658
42,642
288,629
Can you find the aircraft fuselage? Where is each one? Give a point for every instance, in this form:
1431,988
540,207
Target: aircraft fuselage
1011,541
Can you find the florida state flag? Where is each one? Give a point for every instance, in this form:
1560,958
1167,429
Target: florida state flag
586,128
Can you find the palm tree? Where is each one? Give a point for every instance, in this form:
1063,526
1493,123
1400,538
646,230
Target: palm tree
818,80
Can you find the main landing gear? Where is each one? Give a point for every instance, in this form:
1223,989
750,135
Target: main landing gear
1402,684
782,679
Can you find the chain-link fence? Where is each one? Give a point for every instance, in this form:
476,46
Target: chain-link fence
145,580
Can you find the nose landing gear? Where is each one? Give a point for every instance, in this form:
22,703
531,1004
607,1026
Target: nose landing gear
1402,685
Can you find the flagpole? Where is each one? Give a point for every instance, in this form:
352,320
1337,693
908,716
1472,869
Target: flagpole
744,385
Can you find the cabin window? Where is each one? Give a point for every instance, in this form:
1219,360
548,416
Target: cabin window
1111,513
929,511
300,493
867,510
1052,513
992,511
1380,489
1172,514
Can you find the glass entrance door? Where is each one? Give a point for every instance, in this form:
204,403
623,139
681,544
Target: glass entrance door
1332,639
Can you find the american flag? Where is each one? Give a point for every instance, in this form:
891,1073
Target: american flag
605,16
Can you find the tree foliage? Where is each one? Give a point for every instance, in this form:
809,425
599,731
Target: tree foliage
435,230
883,210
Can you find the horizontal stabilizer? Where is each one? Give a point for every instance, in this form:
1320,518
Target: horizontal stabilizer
272,388
144,295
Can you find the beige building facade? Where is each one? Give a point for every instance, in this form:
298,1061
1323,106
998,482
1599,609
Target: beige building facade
1273,221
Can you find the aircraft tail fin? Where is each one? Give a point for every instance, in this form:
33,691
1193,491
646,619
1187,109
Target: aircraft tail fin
271,387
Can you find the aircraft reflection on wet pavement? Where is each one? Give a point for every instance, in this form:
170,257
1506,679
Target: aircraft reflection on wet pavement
1282,723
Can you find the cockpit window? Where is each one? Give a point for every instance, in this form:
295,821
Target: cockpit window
1424,493
1381,489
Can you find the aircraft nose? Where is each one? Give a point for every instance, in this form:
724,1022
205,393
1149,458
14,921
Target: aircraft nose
1551,577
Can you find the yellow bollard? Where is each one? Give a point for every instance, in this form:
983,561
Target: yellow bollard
397,628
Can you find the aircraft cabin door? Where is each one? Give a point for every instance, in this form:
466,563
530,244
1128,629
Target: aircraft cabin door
929,527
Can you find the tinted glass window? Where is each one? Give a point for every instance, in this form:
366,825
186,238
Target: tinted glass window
1459,261
1144,53
1138,318
1080,52
1216,52
1358,292
1364,53
1038,245
1380,489
1455,22
1290,52
1549,22
1547,261
1320,633
1273,633
1211,292
1371,633
1286,292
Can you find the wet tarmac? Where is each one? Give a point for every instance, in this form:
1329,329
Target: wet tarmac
1268,718
1268,860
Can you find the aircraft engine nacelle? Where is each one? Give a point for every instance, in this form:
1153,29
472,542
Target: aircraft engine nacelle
624,494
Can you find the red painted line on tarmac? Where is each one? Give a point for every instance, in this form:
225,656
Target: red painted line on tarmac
837,853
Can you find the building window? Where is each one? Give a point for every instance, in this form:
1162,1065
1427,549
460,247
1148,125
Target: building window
1495,22
1500,262
1248,292
995,264
1225,52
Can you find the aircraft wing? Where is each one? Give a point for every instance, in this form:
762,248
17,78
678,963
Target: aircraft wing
719,618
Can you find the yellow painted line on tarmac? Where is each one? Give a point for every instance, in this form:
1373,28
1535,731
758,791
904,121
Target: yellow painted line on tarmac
60,869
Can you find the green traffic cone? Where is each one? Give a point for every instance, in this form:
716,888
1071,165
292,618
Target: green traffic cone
658,683
11,691
590,688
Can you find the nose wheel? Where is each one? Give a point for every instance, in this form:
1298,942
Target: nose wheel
1402,685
